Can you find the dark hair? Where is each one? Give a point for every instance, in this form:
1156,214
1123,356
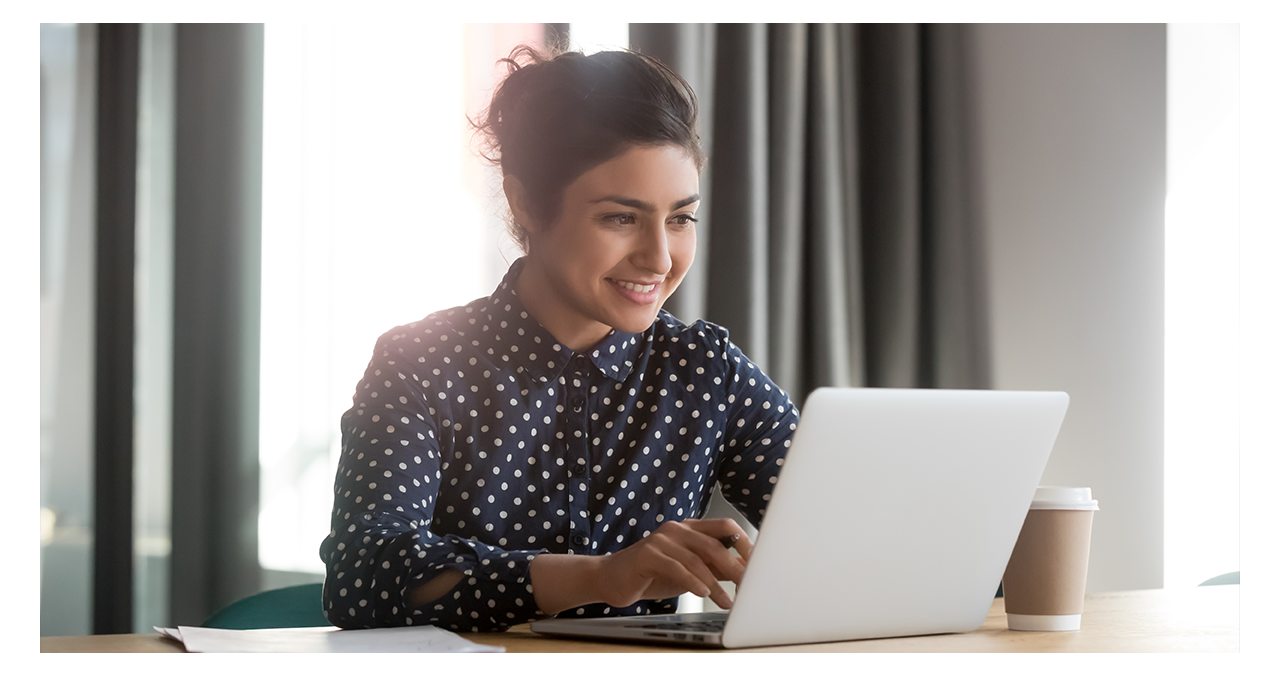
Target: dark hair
557,115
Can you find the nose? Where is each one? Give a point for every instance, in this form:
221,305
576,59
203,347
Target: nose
653,252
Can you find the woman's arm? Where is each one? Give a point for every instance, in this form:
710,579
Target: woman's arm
761,419
382,547
679,557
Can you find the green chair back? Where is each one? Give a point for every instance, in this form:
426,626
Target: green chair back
296,606
1232,578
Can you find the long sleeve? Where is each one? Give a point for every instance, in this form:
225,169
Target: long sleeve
760,420
382,542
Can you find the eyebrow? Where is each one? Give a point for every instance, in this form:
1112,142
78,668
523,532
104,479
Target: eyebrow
645,206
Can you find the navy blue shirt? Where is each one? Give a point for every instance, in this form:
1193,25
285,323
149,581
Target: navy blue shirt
475,442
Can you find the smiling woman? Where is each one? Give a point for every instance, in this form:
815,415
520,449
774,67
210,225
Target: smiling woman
600,166
621,246
496,451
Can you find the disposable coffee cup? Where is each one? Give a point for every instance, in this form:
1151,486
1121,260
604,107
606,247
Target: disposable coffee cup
1044,582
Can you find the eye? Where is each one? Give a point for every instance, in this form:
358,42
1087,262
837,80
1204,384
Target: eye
684,219
624,219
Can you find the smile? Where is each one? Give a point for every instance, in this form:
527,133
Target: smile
630,286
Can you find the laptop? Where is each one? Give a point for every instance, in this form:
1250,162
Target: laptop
894,515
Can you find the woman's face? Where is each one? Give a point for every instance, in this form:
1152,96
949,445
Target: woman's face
623,241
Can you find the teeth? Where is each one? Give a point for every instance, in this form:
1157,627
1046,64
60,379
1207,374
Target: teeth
646,288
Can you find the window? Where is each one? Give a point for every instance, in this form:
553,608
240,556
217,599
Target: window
376,212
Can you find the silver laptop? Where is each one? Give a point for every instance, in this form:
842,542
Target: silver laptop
894,515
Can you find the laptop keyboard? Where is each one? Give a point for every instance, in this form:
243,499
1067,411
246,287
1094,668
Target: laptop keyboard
716,625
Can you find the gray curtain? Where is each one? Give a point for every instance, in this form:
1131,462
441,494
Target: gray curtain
217,220
842,242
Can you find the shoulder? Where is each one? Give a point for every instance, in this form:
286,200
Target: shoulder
704,344
408,359
419,364
431,338
700,332
696,344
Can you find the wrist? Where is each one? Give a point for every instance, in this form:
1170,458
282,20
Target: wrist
564,581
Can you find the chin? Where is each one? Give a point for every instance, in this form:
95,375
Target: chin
635,325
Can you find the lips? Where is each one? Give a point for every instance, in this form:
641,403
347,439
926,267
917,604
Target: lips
641,293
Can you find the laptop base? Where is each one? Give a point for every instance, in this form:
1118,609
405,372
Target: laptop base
687,629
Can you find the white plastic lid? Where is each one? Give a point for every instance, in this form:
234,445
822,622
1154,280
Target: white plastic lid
1063,498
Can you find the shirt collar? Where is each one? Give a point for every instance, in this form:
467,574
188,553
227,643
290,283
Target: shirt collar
529,347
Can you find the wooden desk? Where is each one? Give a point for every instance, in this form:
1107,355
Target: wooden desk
1196,619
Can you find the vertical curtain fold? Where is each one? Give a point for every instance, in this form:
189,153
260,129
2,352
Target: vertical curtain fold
738,288
217,261
957,319
788,109
117,143
841,240
831,280
889,103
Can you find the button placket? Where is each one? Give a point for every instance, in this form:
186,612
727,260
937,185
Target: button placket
576,441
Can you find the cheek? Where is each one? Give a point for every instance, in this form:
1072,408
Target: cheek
682,251
574,250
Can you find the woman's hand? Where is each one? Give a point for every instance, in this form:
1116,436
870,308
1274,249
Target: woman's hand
678,557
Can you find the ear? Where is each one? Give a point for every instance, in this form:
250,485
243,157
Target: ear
517,199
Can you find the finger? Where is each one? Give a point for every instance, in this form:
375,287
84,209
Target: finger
744,546
721,598
695,551
739,543
722,563
703,562
682,572
693,563
728,535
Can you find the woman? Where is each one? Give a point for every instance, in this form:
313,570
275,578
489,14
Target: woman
547,449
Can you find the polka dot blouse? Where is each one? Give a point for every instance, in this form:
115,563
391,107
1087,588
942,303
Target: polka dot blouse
476,442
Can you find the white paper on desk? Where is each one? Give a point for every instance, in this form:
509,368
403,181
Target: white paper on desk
420,639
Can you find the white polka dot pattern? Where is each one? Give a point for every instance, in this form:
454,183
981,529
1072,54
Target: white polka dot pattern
476,442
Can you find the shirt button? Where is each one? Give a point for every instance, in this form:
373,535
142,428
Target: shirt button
580,539
577,470
577,403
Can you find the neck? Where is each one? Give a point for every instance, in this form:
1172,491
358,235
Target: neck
546,304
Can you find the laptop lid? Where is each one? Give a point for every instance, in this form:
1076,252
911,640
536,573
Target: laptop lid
895,514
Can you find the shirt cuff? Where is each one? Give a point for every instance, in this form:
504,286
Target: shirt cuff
495,593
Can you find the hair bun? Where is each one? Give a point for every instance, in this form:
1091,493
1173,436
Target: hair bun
556,115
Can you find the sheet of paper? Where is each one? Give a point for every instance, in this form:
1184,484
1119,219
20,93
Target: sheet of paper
421,639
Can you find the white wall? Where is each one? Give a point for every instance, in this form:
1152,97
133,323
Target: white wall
1072,153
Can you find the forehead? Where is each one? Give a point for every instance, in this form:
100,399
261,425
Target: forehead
659,174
